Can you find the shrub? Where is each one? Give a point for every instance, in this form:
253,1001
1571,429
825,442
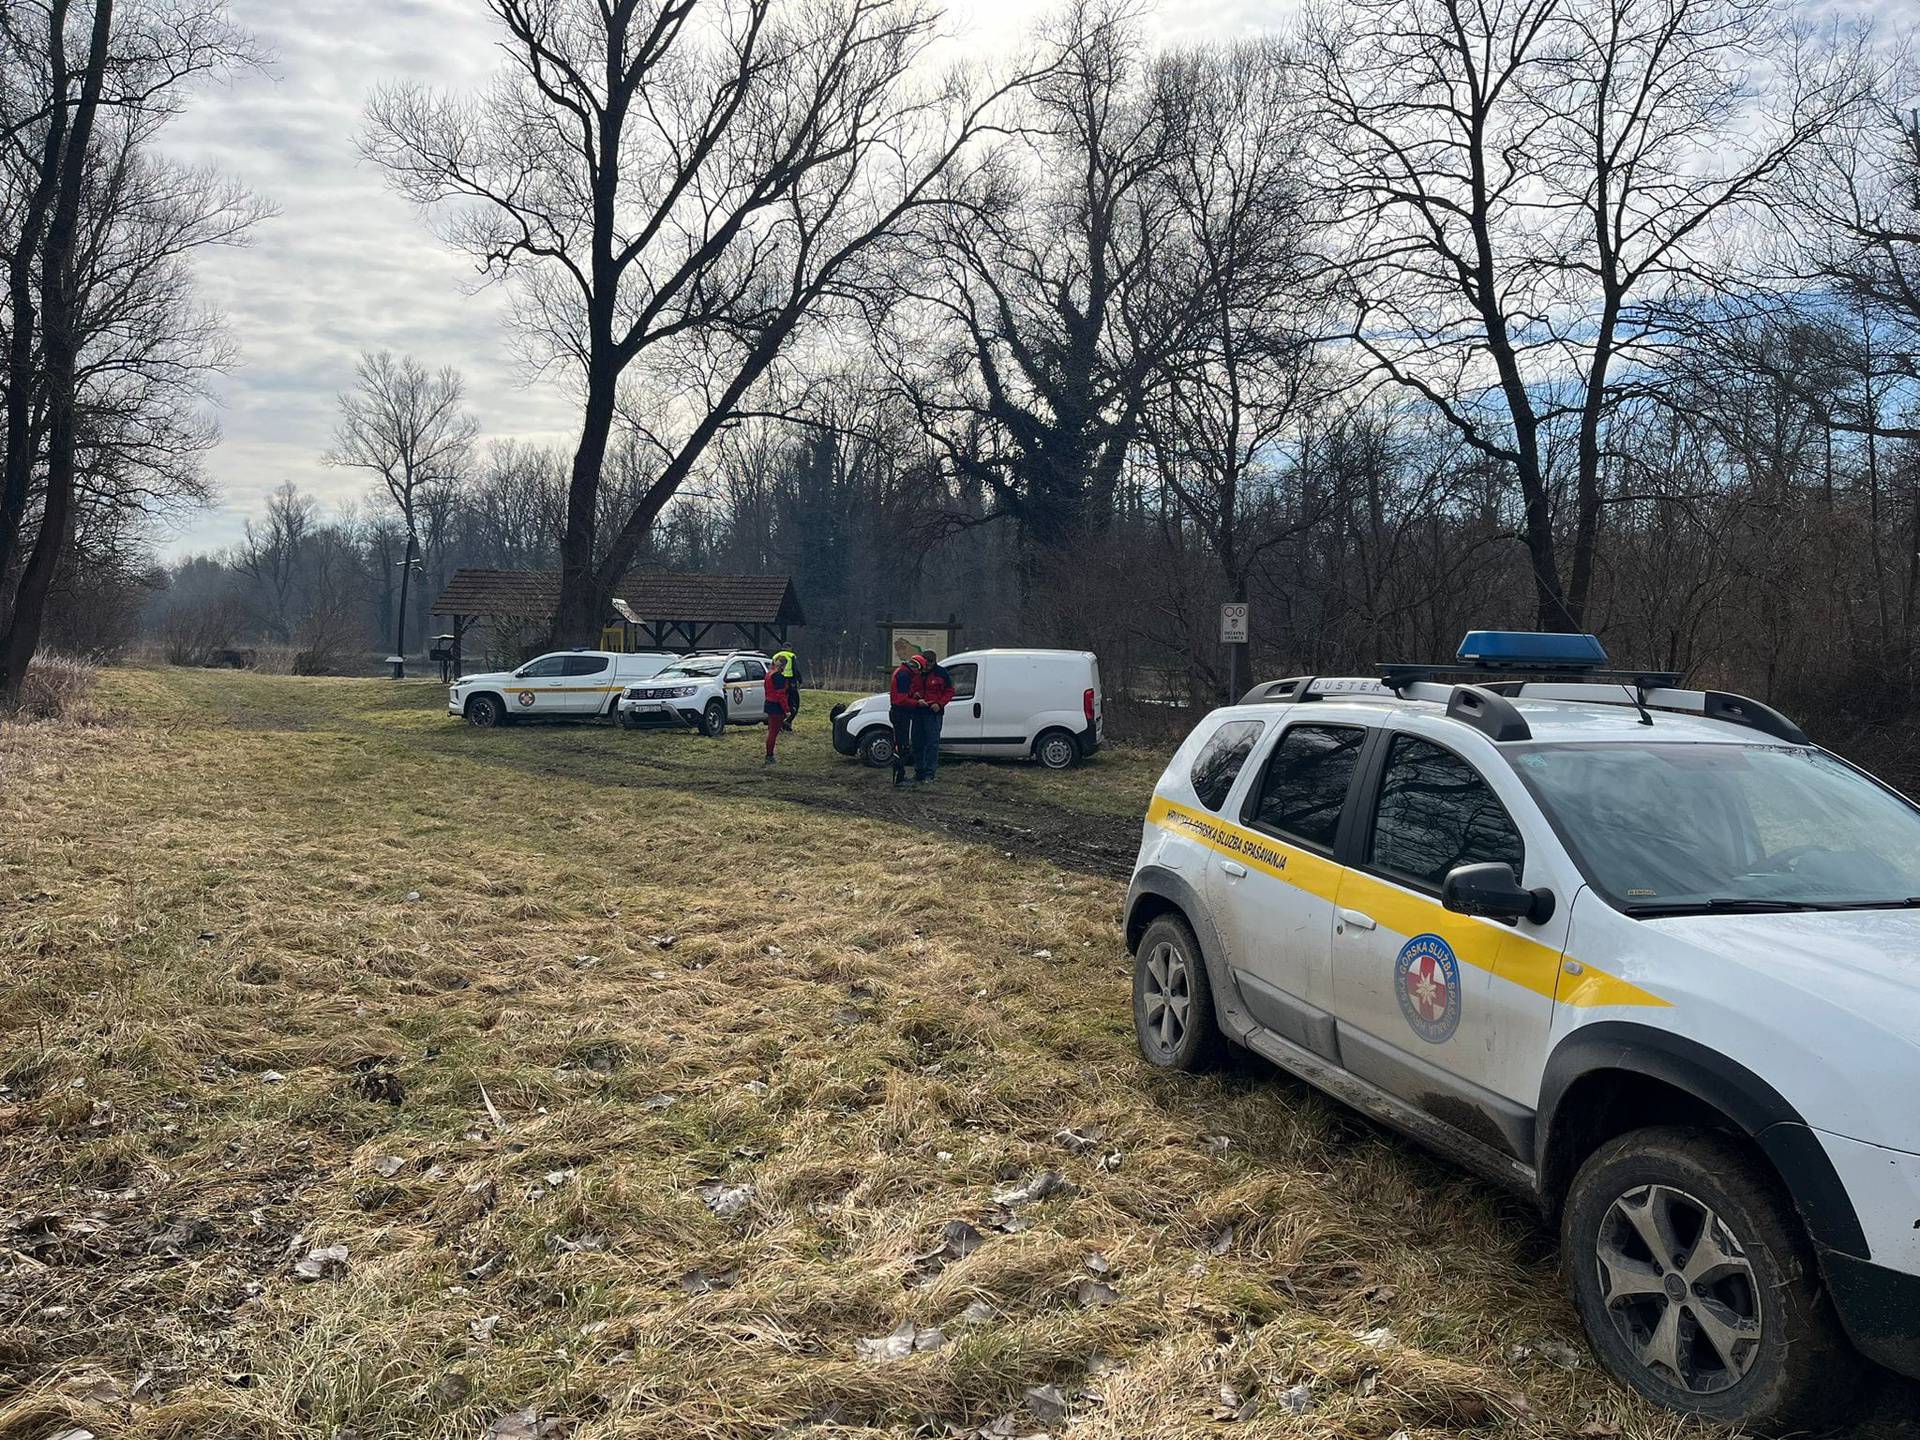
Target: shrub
56,687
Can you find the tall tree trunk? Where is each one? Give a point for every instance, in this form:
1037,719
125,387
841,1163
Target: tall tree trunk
16,478
57,304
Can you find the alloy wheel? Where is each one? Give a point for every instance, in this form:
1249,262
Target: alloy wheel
1678,1286
1169,993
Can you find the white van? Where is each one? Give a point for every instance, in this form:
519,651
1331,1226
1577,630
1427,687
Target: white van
1014,703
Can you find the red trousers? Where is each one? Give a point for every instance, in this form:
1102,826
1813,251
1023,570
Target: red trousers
775,719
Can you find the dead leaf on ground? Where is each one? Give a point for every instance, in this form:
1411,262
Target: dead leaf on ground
1234,1405
388,1166
482,1329
1042,1186
978,1312
723,1199
906,1339
325,1262
528,1425
1048,1403
958,1240
451,1389
700,1282
1089,1293
664,1100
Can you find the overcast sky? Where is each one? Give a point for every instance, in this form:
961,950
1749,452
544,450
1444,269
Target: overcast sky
346,265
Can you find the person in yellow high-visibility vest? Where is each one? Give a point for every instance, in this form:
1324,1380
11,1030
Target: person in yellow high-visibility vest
783,697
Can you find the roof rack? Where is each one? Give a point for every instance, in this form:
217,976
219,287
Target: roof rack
1496,667
1398,677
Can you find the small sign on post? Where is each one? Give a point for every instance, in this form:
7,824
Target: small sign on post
1233,623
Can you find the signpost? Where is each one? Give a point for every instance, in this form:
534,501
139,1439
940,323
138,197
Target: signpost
1233,635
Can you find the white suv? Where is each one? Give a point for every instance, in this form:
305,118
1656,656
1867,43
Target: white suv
1644,954
704,692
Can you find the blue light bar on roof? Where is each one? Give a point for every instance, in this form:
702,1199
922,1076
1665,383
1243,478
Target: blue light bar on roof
1531,650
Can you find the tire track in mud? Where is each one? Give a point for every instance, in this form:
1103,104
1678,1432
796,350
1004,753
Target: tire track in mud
1090,844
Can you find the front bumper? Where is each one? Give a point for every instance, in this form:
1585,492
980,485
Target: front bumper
1877,1299
843,741
668,714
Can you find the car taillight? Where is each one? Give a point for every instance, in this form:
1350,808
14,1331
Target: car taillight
1086,700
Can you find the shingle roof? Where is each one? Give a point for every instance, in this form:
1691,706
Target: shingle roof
653,595
523,594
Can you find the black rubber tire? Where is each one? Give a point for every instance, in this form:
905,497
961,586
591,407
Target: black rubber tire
876,747
1805,1370
713,719
1052,754
486,711
1199,1045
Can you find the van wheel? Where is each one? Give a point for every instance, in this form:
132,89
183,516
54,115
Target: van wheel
1172,999
876,747
486,711
1057,750
713,720
1696,1285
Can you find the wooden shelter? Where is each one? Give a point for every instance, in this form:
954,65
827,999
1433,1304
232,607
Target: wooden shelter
655,610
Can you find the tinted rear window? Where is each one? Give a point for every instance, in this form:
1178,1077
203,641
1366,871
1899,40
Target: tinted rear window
1218,764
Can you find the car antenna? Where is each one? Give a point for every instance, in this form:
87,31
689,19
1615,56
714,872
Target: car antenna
1639,703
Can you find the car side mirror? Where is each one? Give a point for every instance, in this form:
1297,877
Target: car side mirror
1494,892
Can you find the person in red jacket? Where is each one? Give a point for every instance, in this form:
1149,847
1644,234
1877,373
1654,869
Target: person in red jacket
782,690
936,692
905,704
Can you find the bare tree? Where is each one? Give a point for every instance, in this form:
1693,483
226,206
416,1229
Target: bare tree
1038,394
273,555
103,347
411,429
1228,408
675,189
1528,184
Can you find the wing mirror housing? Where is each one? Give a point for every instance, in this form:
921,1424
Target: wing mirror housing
1494,892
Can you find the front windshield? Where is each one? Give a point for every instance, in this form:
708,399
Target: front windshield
691,670
1684,828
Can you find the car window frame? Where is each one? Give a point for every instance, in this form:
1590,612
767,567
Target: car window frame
526,671
1250,802
1367,812
973,685
601,666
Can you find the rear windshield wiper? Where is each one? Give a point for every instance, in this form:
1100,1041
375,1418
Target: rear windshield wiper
1721,905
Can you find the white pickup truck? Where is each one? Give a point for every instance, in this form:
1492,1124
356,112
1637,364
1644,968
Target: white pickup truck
567,684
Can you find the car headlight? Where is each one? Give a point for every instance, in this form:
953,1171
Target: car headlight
682,691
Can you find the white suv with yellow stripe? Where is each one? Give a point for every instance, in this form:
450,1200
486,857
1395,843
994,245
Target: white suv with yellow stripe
1642,953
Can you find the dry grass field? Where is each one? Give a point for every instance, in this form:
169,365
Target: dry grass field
370,1076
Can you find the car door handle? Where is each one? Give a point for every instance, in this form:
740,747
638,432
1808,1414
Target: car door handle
976,709
1234,868
1359,921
